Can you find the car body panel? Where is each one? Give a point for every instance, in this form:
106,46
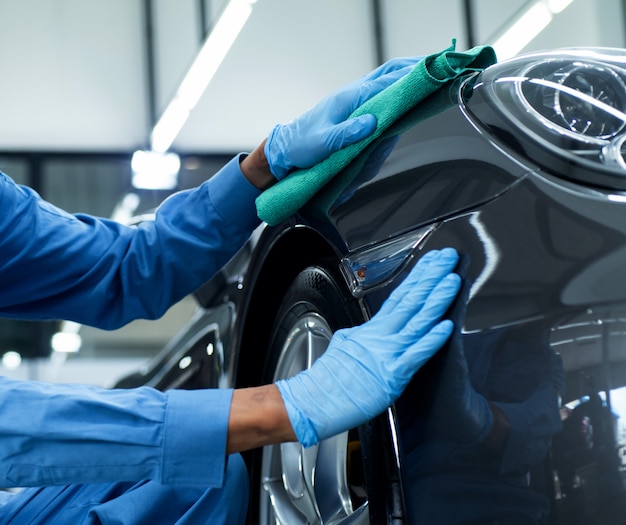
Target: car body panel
384,192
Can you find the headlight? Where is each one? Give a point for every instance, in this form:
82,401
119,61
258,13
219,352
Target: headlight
565,110
583,100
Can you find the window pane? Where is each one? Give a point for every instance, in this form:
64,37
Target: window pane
85,186
15,168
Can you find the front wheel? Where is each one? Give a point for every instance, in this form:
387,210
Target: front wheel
322,484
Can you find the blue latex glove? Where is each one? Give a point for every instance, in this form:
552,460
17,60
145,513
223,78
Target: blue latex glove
366,368
322,130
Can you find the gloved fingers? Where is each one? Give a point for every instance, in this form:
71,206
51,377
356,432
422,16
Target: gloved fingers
411,320
435,306
413,295
341,104
393,64
373,86
408,283
277,153
349,131
424,348
433,272
375,160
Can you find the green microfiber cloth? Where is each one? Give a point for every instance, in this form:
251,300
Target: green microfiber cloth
368,162
290,194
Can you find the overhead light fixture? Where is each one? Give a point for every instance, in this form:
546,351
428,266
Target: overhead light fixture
67,340
556,6
11,360
153,170
211,55
126,207
527,26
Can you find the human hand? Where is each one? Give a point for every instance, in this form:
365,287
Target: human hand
322,130
366,368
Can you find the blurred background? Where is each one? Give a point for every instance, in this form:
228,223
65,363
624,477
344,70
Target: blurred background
92,91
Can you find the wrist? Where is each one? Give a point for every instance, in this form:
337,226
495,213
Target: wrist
303,427
257,418
256,168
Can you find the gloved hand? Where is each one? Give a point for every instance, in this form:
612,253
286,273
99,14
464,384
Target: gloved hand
375,159
460,413
322,130
366,368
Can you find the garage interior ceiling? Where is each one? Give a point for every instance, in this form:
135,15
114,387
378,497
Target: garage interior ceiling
81,75
87,76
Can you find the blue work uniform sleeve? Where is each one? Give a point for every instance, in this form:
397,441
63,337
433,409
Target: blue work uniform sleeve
94,271
55,434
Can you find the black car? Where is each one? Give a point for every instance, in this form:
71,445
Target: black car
522,169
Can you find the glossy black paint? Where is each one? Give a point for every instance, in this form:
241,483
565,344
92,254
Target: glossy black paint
545,266
432,166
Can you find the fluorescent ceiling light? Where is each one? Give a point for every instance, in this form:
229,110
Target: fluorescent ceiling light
126,207
527,26
67,340
211,55
66,343
523,31
153,170
169,125
11,360
556,6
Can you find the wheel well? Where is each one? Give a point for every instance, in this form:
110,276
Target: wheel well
288,256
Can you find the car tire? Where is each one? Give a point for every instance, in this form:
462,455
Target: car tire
324,483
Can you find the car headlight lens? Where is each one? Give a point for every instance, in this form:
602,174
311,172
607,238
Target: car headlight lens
583,100
565,110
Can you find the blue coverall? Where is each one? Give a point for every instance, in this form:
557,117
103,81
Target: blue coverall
94,455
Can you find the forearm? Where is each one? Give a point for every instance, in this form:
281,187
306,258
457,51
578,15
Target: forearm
256,168
257,418
98,272
58,434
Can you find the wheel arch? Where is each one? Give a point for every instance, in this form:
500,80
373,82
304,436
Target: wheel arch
282,255
273,268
